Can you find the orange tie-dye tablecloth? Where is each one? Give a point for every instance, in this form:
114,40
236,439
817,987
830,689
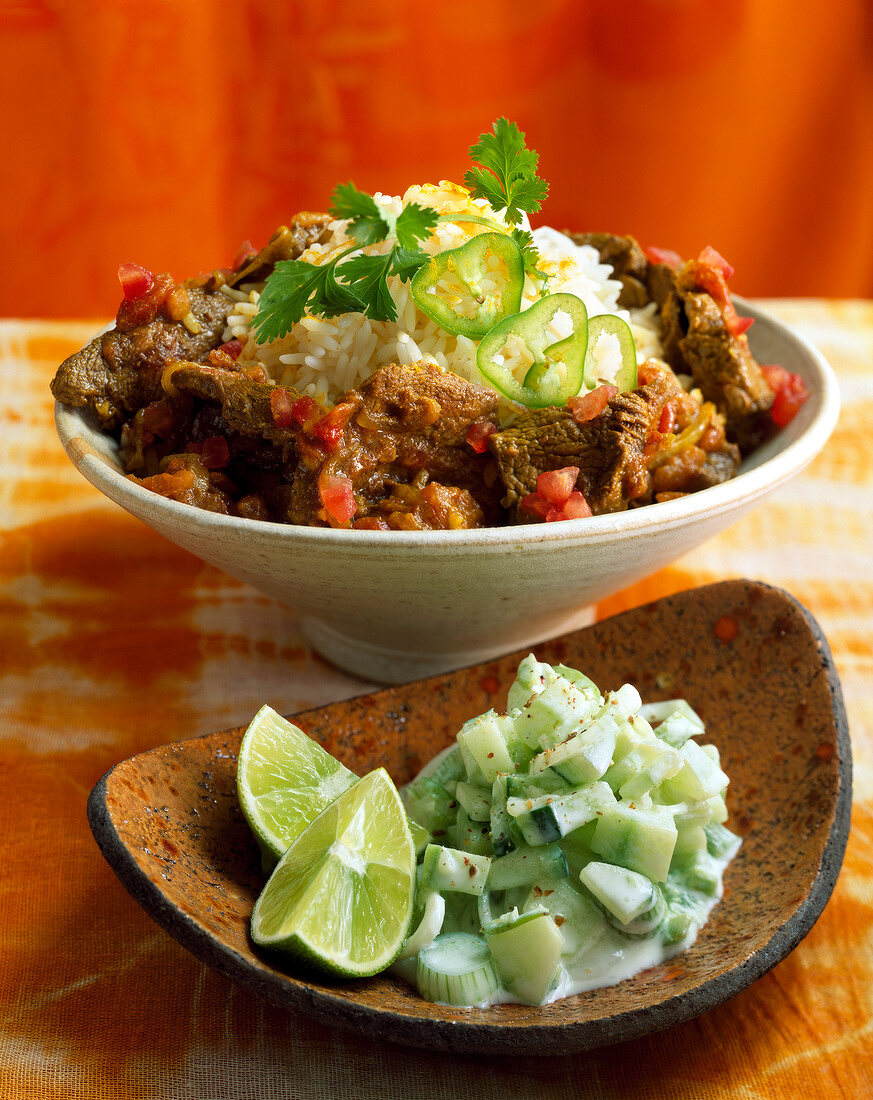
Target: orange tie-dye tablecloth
112,641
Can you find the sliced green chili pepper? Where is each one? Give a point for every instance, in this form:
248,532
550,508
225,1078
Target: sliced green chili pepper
625,374
444,287
558,366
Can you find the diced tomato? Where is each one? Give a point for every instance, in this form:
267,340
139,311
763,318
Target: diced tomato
304,409
790,391
332,425
535,504
246,251
555,486
710,272
667,419
157,418
477,436
135,281
337,496
714,259
663,256
576,506
232,348
281,407
591,404
215,453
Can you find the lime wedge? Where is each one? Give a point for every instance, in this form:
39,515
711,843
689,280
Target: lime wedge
341,896
284,780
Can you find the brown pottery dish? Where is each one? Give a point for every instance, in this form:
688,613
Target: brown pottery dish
748,657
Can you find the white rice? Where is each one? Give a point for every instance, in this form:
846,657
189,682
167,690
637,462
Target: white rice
326,357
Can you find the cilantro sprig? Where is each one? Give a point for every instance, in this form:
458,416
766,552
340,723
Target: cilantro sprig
351,282
505,172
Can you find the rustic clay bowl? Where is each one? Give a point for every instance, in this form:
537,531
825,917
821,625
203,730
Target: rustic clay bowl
394,606
747,657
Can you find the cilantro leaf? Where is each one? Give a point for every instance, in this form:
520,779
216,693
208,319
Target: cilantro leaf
367,224
414,223
367,276
529,253
296,287
505,174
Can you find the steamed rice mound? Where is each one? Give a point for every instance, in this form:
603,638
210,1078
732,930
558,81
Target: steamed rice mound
327,357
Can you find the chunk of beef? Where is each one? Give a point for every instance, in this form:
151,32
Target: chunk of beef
628,262
724,368
120,372
405,425
607,449
245,404
287,243
696,341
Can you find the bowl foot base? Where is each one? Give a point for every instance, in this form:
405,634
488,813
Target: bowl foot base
383,664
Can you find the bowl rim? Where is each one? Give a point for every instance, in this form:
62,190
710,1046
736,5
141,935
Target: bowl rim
821,410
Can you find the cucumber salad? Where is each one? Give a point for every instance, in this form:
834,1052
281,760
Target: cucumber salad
563,846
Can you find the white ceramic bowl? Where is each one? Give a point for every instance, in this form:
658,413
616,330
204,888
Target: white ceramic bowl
397,605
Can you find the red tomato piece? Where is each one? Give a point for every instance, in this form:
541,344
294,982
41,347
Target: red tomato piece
338,498
667,419
714,259
477,436
135,281
329,430
281,407
555,486
245,252
232,348
157,418
576,506
215,453
663,256
789,400
536,505
591,404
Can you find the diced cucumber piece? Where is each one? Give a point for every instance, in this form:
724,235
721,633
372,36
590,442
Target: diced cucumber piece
530,679
475,800
462,913
690,840
721,842
553,715
447,869
718,808
581,922
457,969
525,866
469,836
646,924
625,894
501,839
685,909
429,803
624,702
526,949
677,729
550,817
582,758
576,846
640,840
578,680
534,786
703,873
698,778
430,921
483,745
658,713
645,766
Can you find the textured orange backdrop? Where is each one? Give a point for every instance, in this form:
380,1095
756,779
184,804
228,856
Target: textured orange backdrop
167,133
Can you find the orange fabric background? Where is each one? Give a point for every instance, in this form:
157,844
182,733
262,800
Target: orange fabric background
170,132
